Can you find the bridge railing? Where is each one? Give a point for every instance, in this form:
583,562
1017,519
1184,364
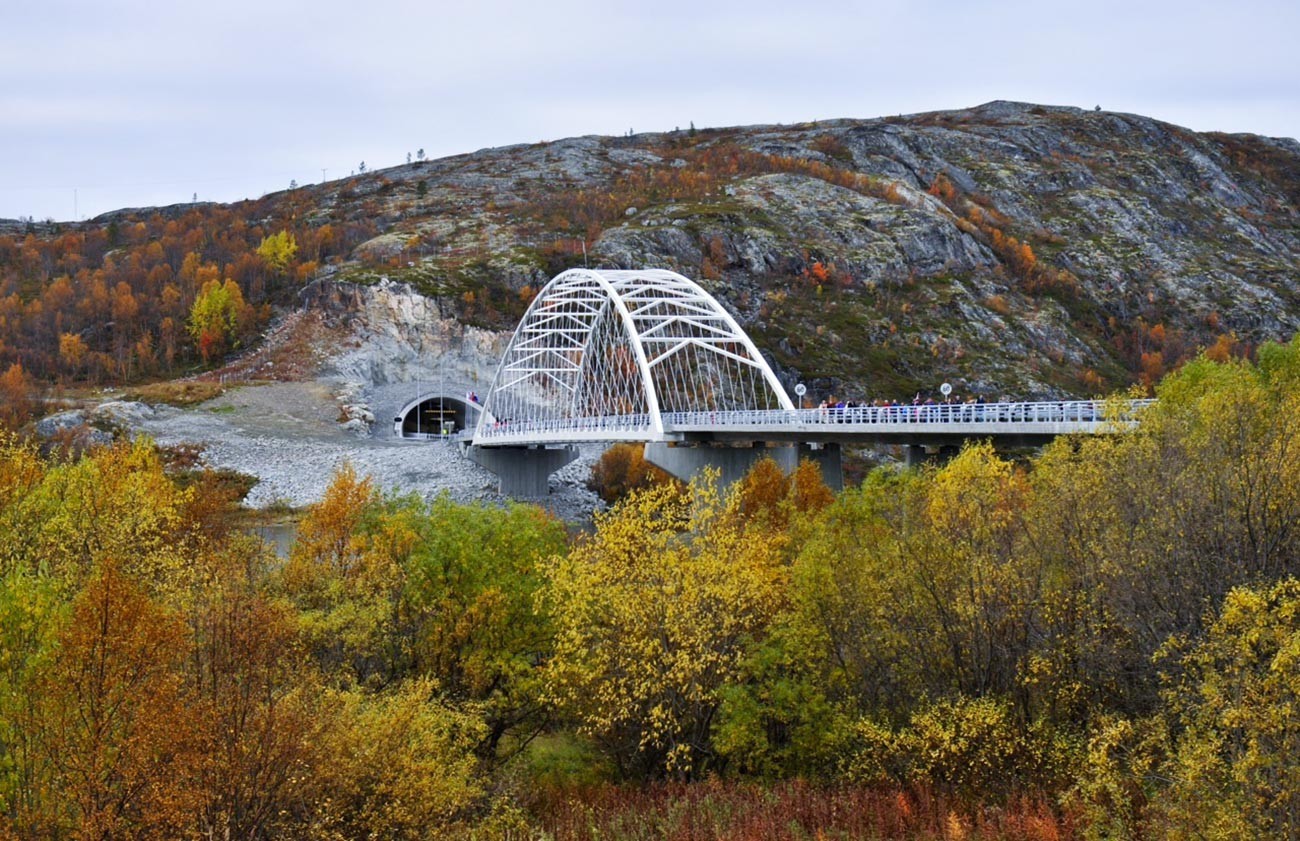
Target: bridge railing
1051,411
640,427
612,424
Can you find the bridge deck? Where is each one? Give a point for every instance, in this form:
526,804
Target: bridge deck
1028,423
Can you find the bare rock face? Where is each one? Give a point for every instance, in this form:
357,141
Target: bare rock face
874,239
124,412
399,336
1009,248
400,347
92,427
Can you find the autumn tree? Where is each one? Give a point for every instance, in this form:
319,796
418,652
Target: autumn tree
216,319
1150,528
391,588
15,397
470,607
937,554
328,539
653,616
278,251
1234,769
344,593
780,718
115,503
72,352
248,677
622,469
398,764
115,723
31,613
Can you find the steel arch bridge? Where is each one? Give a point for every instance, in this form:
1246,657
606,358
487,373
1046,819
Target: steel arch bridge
605,355
649,356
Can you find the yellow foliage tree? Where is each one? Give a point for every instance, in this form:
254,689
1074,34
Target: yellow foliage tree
397,765
218,318
255,694
72,350
1238,710
328,539
278,251
936,554
114,503
653,616
344,592
1144,531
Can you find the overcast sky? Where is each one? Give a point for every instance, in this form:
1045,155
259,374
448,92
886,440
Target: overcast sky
141,102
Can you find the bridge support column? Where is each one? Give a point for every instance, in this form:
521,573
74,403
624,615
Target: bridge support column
523,472
916,455
686,462
829,458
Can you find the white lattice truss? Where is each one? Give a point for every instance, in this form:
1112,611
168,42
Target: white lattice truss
604,355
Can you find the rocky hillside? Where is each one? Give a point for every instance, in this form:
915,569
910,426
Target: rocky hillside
1010,248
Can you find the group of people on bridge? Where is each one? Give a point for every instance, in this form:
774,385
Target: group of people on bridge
919,410
921,407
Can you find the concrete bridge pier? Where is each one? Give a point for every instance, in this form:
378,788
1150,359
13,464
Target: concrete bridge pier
917,454
685,462
523,472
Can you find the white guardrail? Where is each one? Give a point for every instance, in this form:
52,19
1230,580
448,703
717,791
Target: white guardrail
865,418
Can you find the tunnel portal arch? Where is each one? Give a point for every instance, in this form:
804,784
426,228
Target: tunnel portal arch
432,415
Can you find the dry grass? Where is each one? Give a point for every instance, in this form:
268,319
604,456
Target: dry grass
718,811
176,392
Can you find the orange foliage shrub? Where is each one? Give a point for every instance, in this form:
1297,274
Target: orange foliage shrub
998,303
15,397
1152,350
943,189
1152,369
715,258
1224,348
623,469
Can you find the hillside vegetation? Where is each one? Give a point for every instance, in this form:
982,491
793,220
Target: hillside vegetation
1009,248
1098,643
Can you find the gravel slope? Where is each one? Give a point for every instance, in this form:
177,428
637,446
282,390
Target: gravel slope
287,436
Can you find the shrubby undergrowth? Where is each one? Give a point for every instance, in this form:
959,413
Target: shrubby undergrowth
1100,643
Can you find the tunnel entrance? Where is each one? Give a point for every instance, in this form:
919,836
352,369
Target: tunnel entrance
436,415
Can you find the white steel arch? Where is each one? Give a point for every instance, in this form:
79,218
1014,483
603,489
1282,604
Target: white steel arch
613,351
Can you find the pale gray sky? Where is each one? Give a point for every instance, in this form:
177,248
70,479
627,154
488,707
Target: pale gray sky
141,102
